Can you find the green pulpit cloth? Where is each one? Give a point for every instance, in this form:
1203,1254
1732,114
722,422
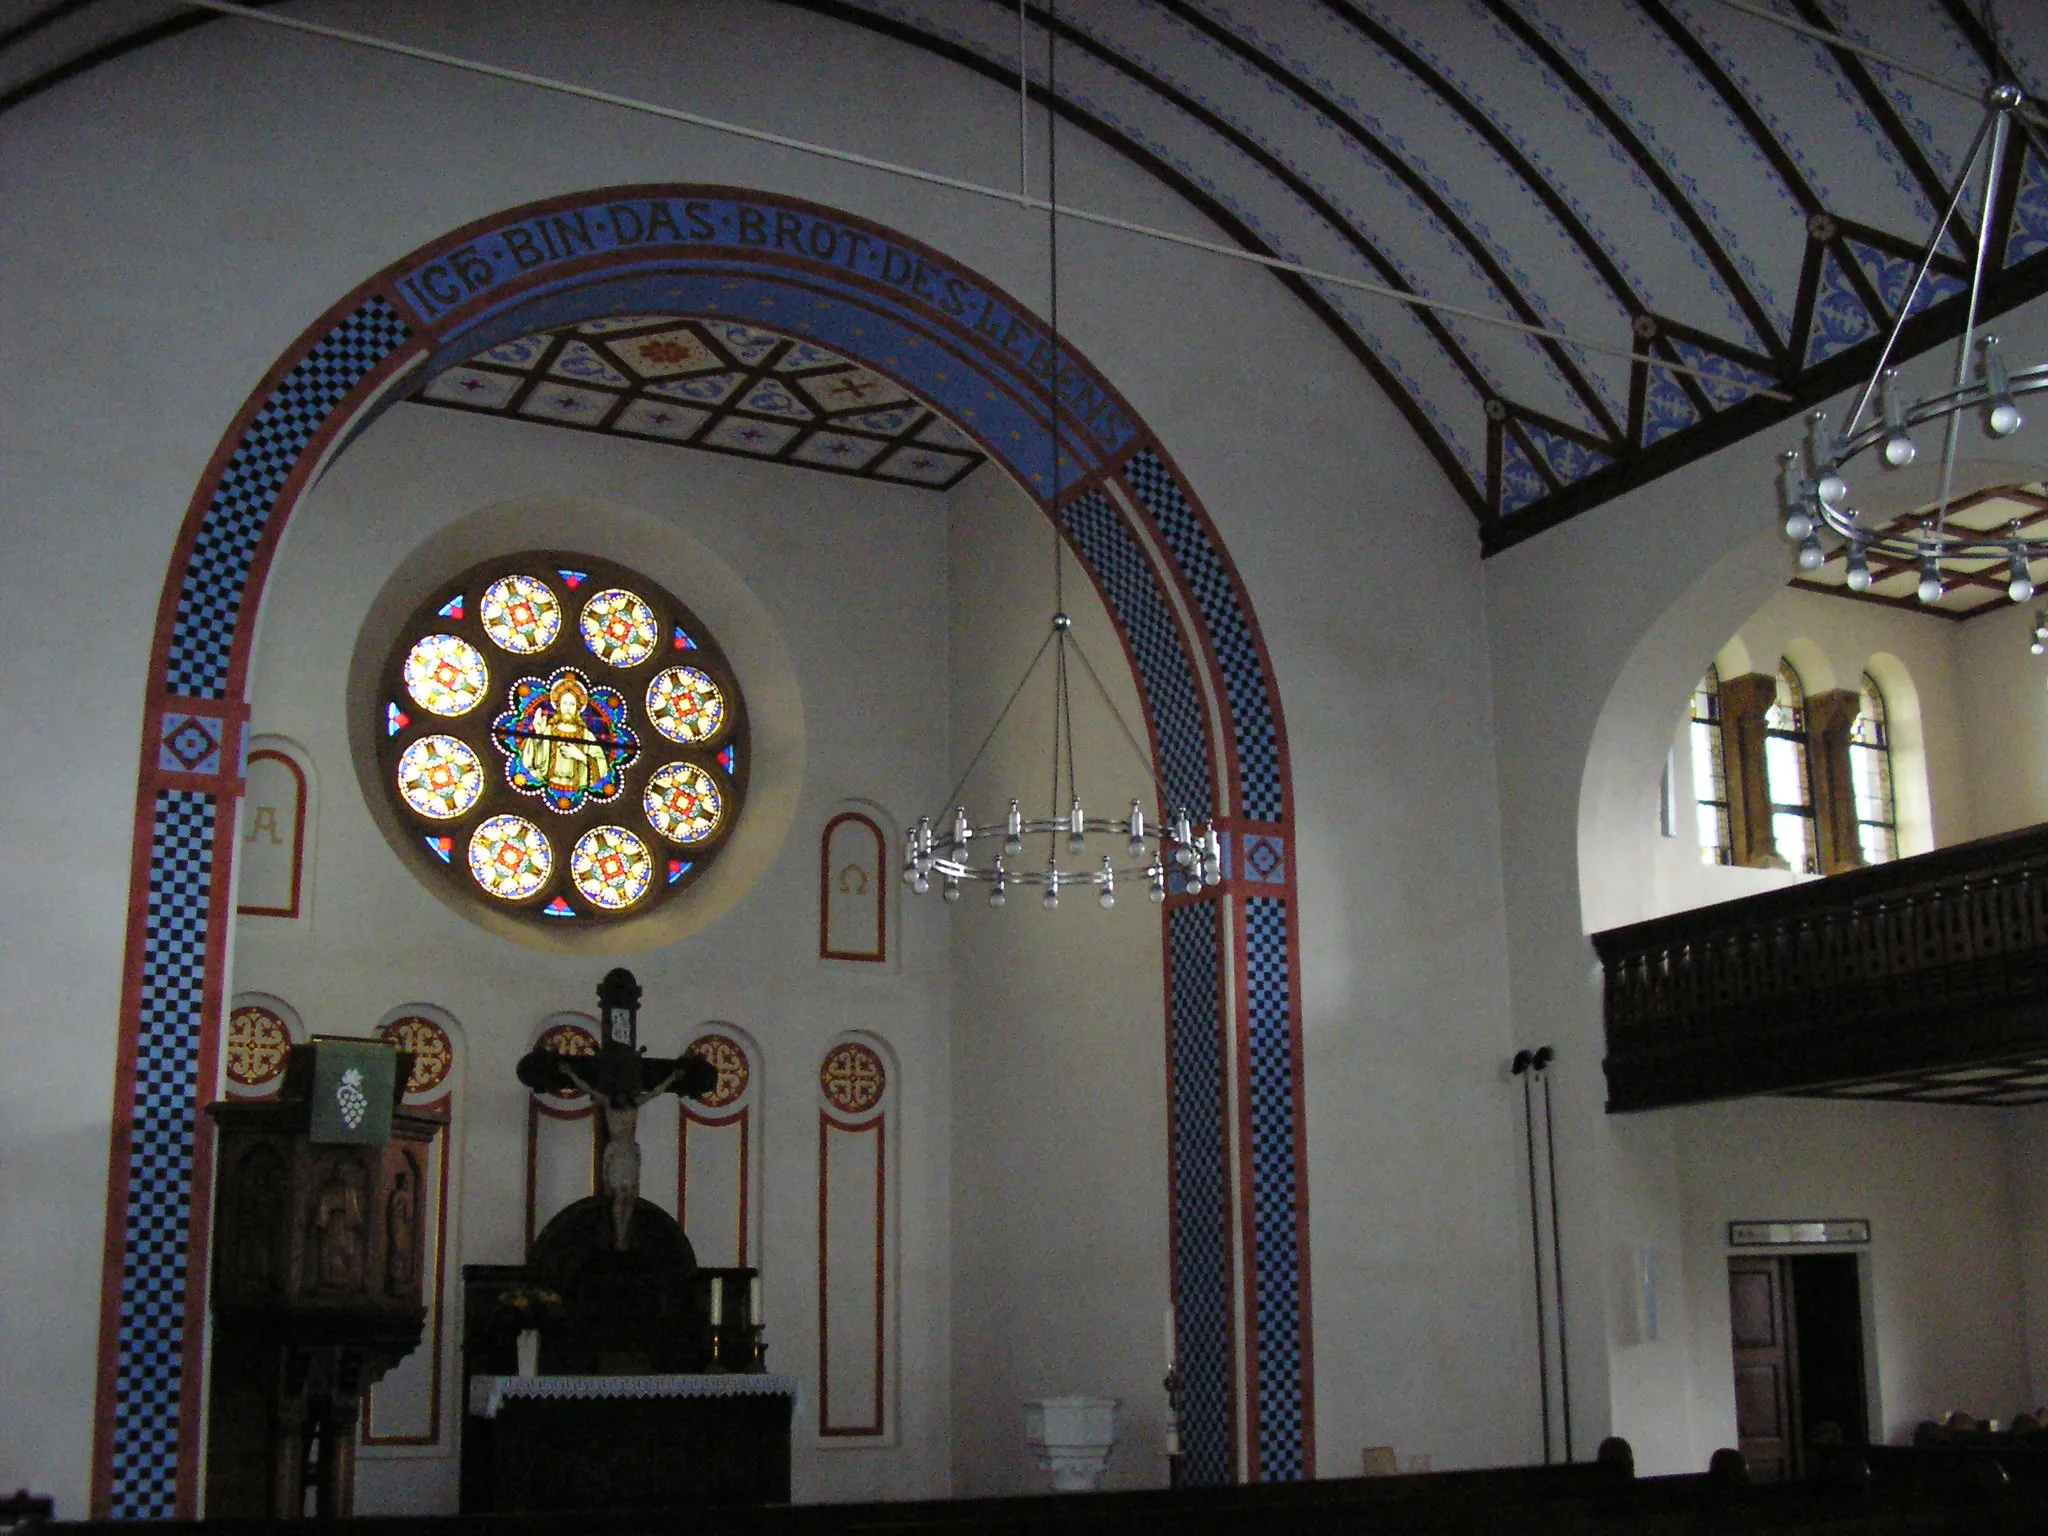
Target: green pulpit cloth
353,1085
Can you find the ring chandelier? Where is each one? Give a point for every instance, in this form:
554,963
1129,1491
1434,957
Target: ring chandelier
1813,490
1151,846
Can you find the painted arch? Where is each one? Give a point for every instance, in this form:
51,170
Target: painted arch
1232,1005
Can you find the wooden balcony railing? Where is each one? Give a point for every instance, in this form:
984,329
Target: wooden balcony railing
1931,963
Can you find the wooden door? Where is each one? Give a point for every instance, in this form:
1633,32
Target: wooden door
1760,1327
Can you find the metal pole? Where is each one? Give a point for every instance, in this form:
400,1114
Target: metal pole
1523,1061
1542,1060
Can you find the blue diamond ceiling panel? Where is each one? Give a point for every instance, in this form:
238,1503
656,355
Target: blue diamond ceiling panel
715,385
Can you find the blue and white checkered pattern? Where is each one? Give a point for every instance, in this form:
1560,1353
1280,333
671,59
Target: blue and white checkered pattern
1276,1213
1223,615
210,600
1201,1196
1139,607
148,1370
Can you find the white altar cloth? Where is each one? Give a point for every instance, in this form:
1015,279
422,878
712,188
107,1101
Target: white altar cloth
487,1394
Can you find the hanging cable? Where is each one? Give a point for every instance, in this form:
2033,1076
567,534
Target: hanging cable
1022,199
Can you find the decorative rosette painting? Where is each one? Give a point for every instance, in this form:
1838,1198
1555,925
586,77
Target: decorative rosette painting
610,771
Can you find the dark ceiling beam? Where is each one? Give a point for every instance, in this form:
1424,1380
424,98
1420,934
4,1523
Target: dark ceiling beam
1419,186
1857,71
1709,69
1203,202
1383,265
1932,327
42,20
1653,170
1971,26
1539,185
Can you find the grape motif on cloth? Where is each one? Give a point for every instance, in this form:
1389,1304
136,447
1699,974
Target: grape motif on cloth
724,1053
853,1078
685,705
619,628
440,777
446,675
611,868
432,1052
567,1040
565,740
521,615
257,1043
510,857
682,803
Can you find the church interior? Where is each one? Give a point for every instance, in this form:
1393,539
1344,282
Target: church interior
961,748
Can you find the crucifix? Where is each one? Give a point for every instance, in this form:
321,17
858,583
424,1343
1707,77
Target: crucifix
620,1080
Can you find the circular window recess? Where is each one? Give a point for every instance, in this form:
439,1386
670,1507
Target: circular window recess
562,739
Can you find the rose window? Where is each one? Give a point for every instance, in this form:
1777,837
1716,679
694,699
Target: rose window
563,738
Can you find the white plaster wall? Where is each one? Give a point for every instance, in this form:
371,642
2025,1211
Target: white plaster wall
1060,1158
187,211
1624,603
1942,1270
2006,687
2027,1132
823,555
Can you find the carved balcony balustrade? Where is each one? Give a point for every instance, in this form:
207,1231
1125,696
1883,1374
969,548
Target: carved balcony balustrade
1926,978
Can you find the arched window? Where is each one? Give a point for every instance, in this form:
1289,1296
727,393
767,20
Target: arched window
562,738
1710,772
1786,771
1870,767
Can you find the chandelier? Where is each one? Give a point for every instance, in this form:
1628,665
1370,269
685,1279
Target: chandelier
953,854
999,854
1813,488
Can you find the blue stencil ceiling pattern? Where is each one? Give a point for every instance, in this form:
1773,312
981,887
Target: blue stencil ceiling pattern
1669,176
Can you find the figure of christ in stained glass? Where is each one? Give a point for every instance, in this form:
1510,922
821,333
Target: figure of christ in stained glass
565,740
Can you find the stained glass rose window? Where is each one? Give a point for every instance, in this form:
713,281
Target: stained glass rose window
563,737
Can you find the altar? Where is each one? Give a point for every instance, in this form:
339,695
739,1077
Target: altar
633,1441
610,1371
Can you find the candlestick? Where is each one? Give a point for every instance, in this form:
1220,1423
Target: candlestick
754,1301
717,1300
1171,1356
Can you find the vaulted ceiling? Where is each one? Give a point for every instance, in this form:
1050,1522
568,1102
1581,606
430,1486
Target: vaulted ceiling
1670,176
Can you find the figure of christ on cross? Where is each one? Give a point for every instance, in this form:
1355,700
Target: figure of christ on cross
620,1081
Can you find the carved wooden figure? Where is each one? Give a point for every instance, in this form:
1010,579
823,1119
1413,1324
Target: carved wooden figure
316,1295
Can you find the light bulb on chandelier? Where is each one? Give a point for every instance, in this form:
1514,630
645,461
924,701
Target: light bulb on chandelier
1814,485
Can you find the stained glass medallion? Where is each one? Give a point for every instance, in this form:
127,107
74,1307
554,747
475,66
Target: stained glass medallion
611,867
565,739
685,705
446,675
440,777
521,614
619,628
682,803
548,807
510,857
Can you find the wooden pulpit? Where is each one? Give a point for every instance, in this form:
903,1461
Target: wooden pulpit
317,1256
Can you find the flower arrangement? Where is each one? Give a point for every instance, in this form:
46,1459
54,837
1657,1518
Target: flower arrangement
529,1306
